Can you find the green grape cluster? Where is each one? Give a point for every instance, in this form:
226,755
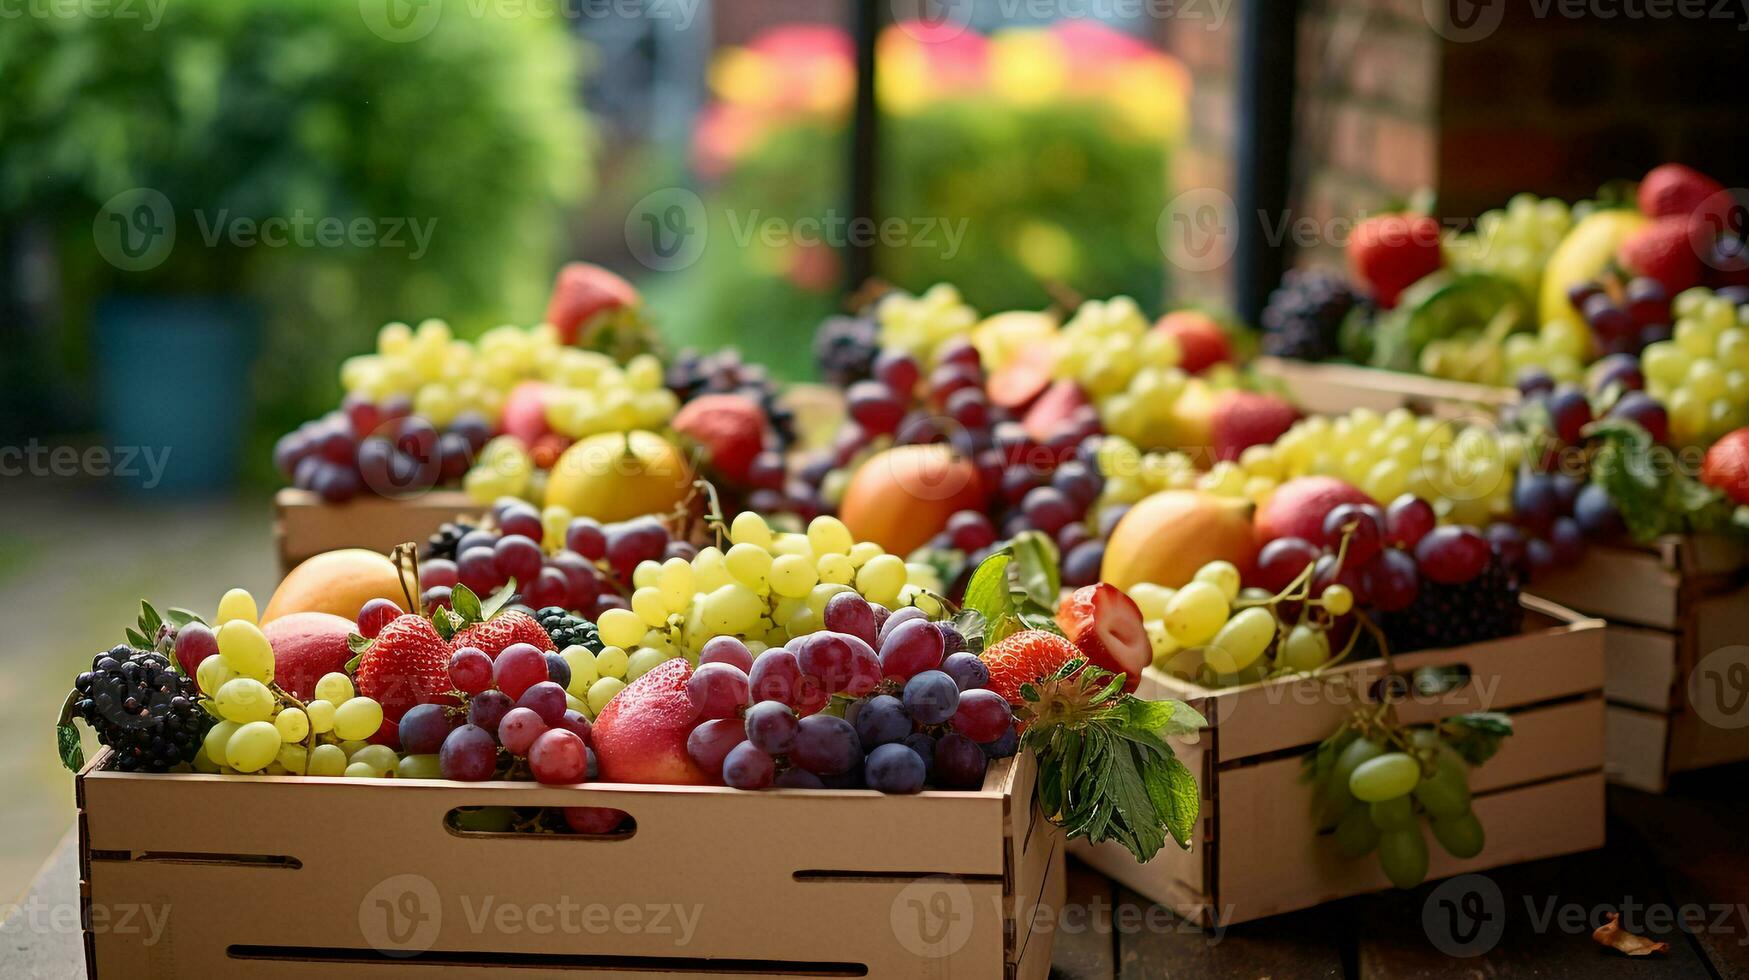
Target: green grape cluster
1376,789
1513,242
1701,374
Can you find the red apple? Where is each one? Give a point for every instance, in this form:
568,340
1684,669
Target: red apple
1298,507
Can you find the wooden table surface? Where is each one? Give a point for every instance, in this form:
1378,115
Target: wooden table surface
1686,853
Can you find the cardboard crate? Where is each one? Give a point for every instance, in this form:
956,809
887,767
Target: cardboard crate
303,525
1335,389
1258,852
1672,605
325,877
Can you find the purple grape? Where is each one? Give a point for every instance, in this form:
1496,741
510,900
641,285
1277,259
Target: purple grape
1534,504
519,729
1647,301
959,762
1508,543
894,768
1392,581
423,729
826,745
1644,411
518,558
1569,412
1566,541
726,650
881,719
771,725
911,647
1535,381
469,754
718,690
1005,746
776,676
545,699
574,721
711,741
1539,554
488,708
952,641
586,538
1566,492
850,613
894,620
1618,370
923,744
477,538
1596,512
745,767
796,777
558,671
931,698
968,672
1081,565
1047,509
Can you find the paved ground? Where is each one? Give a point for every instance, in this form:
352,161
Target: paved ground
74,565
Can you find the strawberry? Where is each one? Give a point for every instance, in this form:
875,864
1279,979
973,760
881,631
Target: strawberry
1106,625
407,664
640,736
731,428
1025,658
583,293
500,631
1663,251
1673,190
525,411
1052,409
1201,342
1726,466
1243,419
1389,252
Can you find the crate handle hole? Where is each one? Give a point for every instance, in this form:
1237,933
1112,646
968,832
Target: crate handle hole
599,823
1421,684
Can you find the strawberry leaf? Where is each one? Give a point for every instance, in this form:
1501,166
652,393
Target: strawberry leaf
498,600
1035,568
465,604
180,617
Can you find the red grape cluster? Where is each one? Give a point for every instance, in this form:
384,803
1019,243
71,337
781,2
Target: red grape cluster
383,449
591,574
921,715
513,713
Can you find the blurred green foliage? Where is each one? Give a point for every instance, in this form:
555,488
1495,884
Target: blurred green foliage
281,108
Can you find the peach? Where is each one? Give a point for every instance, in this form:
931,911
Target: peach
902,497
307,645
339,582
1298,507
1167,537
640,736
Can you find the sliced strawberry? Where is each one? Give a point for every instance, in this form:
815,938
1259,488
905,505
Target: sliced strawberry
1106,625
1053,407
1018,383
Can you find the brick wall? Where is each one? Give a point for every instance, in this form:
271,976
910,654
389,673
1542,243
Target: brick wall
1206,158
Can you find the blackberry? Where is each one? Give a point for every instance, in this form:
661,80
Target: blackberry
1484,608
1304,317
142,708
845,348
443,541
691,374
568,630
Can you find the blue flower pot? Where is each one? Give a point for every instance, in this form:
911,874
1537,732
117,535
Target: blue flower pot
174,389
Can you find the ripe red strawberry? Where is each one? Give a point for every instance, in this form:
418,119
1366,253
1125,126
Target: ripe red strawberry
1388,253
1672,189
640,737
500,631
1243,419
1726,466
1662,251
1106,625
582,293
1022,380
1201,342
1052,409
407,664
1025,658
731,428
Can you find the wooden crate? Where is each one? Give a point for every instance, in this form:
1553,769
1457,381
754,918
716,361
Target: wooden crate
324,877
1335,389
1672,604
304,525
1258,852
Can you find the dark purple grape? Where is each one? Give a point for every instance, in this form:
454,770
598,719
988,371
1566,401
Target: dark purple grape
796,777
874,406
1081,565
952,640
825,745
898,371
469,754
523,522
710,742
1569,413
969,408
1507,542
746,767
850,613
1644,411
894,768
1005,746
1616,370
882,719
970,530
1647,302
1596,512
1392,581
923,744
477,538
1109,516
546,699
1361,524
967,670
1535,381
585,537
1566,541
454,456
488,708
1453,554
1047,510
518,558
959,762
930,698
1534,502
772,726
423,729
1580,292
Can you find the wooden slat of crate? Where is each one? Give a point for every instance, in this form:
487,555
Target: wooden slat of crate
1641,668
1635,743
1623,585
304,526
1336,389
757,905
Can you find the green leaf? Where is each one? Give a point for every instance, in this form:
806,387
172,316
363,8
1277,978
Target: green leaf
150,621
180,617
1035,567
357,643
137,641
1163,718
1186,801
497,601
970,623
465,603
1654,494
67,744
987,591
